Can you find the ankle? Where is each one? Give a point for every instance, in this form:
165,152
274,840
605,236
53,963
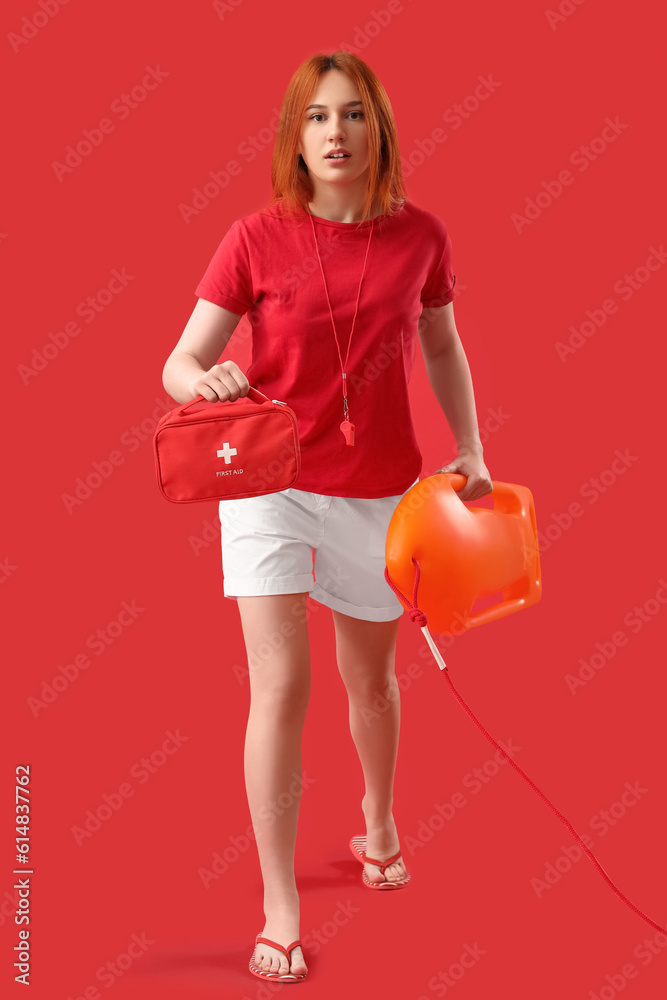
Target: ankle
284,903
377,815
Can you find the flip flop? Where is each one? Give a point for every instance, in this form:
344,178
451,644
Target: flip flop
283,977
358,848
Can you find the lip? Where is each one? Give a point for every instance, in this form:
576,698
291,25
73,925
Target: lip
338,149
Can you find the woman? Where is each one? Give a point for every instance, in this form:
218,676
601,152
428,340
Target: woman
339,265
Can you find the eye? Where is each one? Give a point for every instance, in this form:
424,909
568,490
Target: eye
319,114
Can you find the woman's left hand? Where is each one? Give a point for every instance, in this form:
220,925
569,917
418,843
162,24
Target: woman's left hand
471,464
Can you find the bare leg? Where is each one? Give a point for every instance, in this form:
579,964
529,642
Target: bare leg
280,690
365,653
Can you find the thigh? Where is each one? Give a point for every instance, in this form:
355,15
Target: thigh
267,545
365,650
350,560
275,632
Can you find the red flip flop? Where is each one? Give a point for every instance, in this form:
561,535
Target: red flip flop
358,848
282,977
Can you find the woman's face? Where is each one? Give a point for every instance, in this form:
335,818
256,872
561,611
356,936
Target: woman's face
338,123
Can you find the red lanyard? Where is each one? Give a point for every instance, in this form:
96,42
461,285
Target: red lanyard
346,427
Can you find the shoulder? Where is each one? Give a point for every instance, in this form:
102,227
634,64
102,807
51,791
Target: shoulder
429,224
266,222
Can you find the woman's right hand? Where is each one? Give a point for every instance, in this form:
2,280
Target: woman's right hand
225,382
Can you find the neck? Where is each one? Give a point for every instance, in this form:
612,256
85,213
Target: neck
340,206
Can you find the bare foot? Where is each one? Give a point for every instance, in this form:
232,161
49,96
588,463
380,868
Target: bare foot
282,925
381,842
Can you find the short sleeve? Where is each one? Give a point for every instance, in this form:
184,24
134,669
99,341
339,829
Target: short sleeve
228,279
438,289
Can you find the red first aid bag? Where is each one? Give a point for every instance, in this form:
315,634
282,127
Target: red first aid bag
226,451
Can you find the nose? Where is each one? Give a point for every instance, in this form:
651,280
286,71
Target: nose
336,129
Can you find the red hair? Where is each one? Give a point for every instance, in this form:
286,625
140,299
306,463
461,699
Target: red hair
292,186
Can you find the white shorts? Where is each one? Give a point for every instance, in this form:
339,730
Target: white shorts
293,542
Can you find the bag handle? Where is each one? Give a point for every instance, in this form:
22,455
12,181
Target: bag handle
254,394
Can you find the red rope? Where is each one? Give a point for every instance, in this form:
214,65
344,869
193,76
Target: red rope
417,615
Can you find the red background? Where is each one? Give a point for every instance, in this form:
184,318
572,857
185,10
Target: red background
67,574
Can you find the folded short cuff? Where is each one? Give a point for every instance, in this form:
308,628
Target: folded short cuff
235,586
366,614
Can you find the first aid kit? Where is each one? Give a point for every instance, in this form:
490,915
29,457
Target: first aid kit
226,450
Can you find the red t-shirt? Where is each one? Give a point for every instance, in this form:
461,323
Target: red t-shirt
267,266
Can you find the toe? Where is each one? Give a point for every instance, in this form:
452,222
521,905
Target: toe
373,873
396,872
298,966
274,963
267,960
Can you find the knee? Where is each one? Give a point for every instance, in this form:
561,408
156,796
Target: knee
367,688
286,698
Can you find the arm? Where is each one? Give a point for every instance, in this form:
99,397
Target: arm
449,375
190,369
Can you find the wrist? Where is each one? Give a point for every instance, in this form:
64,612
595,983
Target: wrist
470,446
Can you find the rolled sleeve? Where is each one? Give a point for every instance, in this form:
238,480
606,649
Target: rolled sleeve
438,290
227,280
